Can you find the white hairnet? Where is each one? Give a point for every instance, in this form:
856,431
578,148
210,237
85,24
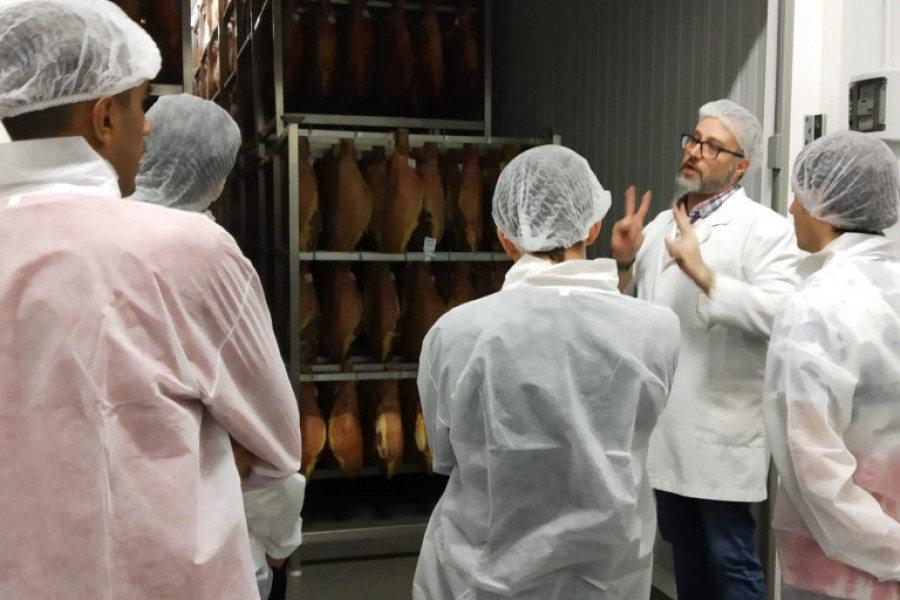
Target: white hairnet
58,52
548,198
191,149
744,126
849,180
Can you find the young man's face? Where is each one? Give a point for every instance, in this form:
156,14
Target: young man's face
127,145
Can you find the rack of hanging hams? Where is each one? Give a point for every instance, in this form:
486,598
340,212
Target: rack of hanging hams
383,57
363,321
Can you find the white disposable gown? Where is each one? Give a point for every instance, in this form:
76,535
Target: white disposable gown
134,341
832,410
274,523
538,402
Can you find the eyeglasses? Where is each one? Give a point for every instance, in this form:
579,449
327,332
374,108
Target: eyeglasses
707,149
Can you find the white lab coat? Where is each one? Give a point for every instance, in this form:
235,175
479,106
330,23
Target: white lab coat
538,402
134,340
710,441
832,408
274,524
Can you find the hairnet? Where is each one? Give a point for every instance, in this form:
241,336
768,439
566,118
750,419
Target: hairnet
744,126
547,198
849,180
58,52
191,149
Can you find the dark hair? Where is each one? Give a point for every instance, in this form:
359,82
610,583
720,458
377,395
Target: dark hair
556,255
47,123
50,122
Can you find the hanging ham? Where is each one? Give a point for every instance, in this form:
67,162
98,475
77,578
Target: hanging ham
325,53
404,200
469,202
398,62
345,437
310,316
378,177
462,289
293,52
414,422
343,313
360,45
312,428
382,312
388,426
430,53
352,209
463,62
423,306
433,203
310,220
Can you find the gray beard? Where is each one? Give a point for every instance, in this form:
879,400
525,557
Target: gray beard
699,185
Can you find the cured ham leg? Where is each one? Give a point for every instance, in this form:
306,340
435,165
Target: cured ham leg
423,306
360,46
388,427
344,310
344,432
404,200
310,220
325,53
352,209
309,316
382,312
312,428
398,67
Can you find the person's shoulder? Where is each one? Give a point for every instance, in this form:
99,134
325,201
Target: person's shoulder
180,240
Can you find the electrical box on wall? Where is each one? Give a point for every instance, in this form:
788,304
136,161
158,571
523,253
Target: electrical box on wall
875,104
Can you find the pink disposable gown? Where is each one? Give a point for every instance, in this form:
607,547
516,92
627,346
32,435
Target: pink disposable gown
134,340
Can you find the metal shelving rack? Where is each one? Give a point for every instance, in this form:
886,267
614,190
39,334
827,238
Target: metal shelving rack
262,212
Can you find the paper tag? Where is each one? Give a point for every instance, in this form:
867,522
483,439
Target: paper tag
428,247
412,163
332,19
459,166
311,160
308,278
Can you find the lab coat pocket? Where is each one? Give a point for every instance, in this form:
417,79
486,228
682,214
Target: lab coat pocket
735,412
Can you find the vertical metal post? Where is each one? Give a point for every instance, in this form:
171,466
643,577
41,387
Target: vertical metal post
293,241
278,66
488,53
187,58
782,143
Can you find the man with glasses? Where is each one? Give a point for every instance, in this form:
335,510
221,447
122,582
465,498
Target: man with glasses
723,263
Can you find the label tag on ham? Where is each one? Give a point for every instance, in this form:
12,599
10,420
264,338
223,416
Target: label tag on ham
311,160
412,163
459,166
428,247
332,19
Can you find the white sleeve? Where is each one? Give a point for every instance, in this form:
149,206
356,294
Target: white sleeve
229,340
770,258
273,515
434,408
807,408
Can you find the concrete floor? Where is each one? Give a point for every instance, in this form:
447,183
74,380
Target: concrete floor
387,578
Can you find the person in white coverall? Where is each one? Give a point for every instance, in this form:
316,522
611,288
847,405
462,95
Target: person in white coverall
538,402
189,153
723,263
832,394
135,341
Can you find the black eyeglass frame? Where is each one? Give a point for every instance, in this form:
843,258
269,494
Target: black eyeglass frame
686,138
